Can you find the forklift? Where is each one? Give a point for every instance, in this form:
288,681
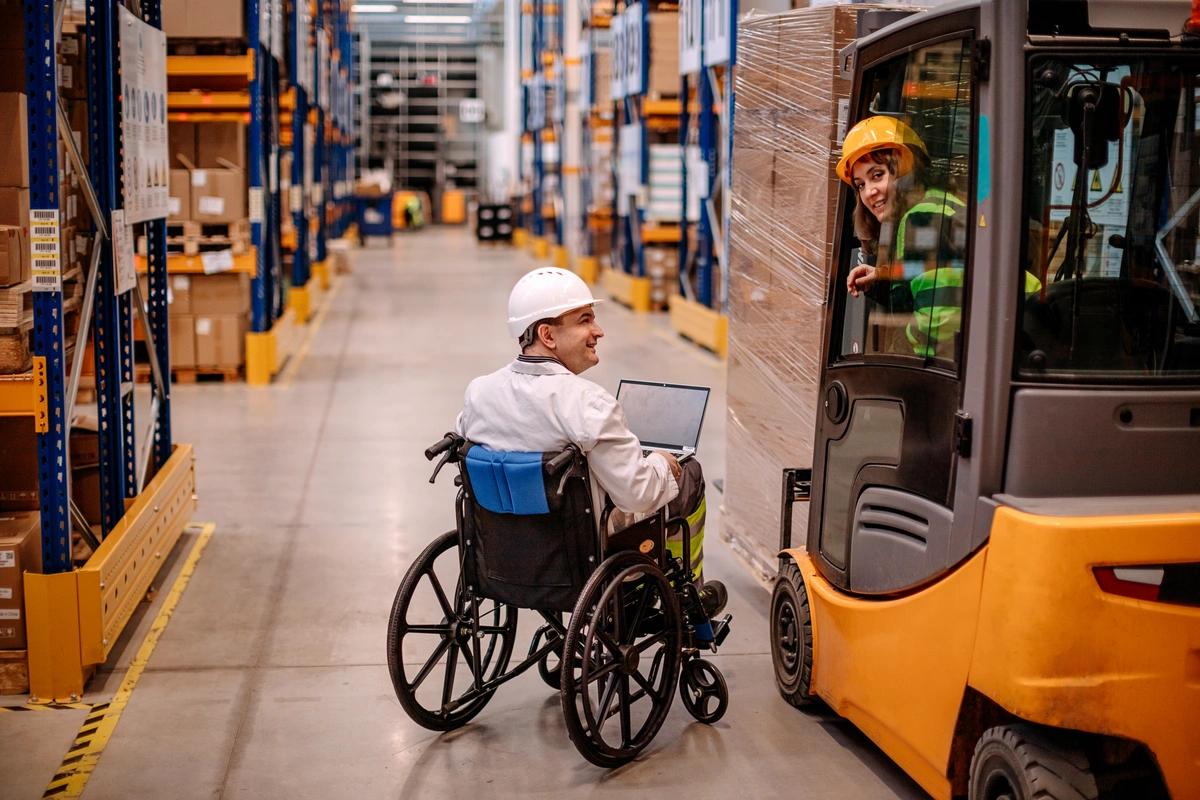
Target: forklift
1000,583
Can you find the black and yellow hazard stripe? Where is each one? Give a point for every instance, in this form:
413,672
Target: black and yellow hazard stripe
46,707
81,760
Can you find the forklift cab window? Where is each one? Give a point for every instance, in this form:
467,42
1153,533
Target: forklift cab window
912,234
1112,220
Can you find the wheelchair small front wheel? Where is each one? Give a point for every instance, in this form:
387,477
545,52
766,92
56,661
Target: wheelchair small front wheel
703,690
549,667
442,646
621,659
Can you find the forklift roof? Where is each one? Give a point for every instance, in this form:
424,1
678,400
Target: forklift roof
1097,19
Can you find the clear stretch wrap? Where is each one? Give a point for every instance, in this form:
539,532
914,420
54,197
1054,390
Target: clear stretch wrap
790,104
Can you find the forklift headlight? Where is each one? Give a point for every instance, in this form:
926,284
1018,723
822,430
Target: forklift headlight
1160,583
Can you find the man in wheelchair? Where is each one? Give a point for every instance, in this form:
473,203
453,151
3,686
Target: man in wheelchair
539,403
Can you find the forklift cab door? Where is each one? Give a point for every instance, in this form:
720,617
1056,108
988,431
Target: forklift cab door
891,386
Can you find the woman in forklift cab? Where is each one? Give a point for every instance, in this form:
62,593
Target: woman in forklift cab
905,230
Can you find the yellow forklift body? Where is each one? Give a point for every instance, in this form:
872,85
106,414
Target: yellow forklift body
1023,622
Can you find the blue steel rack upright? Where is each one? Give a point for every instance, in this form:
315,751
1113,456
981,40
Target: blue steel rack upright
74,613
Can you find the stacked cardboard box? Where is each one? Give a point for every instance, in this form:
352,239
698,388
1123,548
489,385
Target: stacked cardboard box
16,306
664,54
789,101
20,552
208,178
204,19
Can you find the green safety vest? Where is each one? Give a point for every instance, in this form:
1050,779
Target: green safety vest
938,293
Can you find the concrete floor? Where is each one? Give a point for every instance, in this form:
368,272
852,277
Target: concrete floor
271,679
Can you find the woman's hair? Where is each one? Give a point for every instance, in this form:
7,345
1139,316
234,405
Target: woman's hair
866,226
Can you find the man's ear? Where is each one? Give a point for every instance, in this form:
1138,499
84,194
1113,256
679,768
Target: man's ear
545,335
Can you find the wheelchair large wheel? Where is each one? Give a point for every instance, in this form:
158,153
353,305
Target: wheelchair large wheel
433,654
622,660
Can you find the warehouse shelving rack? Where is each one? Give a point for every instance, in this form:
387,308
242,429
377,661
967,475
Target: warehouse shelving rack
598,127
541,71
74,615
627,280
695,313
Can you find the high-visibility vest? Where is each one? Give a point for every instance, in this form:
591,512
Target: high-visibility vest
938,293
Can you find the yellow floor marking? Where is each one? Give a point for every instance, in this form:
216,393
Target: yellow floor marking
293,366
81,760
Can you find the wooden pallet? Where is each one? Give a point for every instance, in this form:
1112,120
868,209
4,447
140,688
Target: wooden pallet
193,238
206,47
207,374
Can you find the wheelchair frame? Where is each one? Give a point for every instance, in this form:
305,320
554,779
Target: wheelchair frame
597,648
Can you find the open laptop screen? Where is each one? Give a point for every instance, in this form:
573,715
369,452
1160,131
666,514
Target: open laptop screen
664,416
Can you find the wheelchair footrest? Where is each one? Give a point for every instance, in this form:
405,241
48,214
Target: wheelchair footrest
721,630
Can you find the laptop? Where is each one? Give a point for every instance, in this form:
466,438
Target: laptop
664,416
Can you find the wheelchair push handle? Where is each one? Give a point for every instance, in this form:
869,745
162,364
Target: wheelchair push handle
555,465
448,441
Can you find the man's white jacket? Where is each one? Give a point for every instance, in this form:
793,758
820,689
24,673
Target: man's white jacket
539,406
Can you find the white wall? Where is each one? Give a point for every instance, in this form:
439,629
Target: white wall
503,139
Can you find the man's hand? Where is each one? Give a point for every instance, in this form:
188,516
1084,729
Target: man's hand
860,279
673,463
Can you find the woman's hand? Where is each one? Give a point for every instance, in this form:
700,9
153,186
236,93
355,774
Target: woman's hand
860,279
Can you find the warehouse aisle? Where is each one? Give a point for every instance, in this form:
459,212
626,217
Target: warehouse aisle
271,679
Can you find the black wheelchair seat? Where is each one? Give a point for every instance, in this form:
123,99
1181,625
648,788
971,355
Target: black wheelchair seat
529,533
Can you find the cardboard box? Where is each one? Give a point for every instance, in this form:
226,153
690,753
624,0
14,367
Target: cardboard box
14,139
84,442
183,340
209,19
216,295
20,552
179,187
85,491
220,340
664,54
14,207
181,141
221,144
218,195
181,294
18,464
602,93
14,255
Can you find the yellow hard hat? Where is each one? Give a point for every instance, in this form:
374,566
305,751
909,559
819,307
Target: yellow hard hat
879,133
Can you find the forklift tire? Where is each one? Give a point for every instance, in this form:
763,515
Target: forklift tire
792,637
1029,762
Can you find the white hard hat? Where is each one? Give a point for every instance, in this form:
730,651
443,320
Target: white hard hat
545,293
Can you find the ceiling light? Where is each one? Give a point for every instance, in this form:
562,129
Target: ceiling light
374,8
436,19
439,2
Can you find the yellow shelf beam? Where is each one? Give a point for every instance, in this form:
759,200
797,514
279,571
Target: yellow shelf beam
25,395
661,234
189,67
177,263
201,100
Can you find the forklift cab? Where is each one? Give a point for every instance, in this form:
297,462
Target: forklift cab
1008,439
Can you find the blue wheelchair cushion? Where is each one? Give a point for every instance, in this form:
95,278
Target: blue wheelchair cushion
507,483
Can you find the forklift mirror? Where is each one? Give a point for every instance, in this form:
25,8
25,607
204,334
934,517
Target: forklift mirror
1094,116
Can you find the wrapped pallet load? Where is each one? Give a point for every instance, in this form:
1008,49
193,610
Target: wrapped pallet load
791,107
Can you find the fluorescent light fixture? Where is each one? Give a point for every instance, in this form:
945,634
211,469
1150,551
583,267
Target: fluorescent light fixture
374,8
439,2
436,19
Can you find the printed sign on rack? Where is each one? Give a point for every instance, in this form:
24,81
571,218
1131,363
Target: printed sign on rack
617,31
472,110
691,17
122,244
717,38
537,103
635,49
588,72
144,119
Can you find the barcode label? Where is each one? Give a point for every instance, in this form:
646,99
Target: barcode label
45,283
45,263
44,250
45,247
45,230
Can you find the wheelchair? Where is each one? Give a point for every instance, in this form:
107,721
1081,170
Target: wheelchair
526,538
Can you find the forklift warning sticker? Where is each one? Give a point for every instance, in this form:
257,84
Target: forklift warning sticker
44,250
